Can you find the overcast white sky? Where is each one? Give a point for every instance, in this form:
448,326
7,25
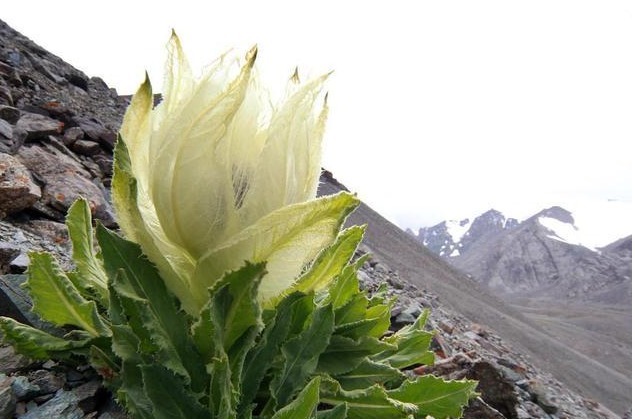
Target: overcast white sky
438,109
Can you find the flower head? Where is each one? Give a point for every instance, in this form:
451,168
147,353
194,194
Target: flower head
216,174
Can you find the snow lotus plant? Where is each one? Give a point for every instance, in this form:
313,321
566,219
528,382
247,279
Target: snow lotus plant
233,292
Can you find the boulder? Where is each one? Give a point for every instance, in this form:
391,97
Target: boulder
17,189
66,180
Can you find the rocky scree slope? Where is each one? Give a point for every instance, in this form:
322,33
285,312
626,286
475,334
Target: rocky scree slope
459,293
57,129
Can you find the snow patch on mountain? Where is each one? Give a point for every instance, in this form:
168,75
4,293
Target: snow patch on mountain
457,229
565,232
594,224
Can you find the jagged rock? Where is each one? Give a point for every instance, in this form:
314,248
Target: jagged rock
478,409
540,396
17,190
9,114
86,147
440,348
66,180
6,130
5,94
90,395
7,397
47,381
63,405
38,126
19,264
495,389
10,361
95,130
71,135
8,253
24,389
446,326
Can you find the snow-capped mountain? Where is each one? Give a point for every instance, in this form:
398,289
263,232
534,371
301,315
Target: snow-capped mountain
547,255
452,238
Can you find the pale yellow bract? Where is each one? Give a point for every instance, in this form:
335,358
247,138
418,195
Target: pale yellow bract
224,176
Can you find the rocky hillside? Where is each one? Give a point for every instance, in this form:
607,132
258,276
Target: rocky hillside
57,128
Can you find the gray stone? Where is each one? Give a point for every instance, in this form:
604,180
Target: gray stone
96,131
496,390
66,180
24,389
541,397
39,126
10,361
71,135
8,252
9,114
86,147
90,395
5,94
63,405
19,264
6,130
7,397
478,409
47,381
17,190
47,68
16,303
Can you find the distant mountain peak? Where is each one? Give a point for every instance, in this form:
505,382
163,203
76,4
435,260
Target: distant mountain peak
557,213
451,238
548,254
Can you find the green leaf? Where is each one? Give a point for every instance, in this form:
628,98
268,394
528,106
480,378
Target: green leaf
435,396
343,354
132,393
412,344
301,355
226,331
57,300
169,395
356,319
331,261
91,273
37,344
260,358
368,403
369,373
147,301
412,350
338,412
233,303
304,405
107,364
346,286
223,397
